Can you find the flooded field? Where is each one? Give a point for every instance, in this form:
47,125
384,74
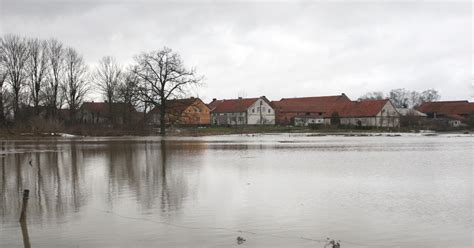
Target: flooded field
273,190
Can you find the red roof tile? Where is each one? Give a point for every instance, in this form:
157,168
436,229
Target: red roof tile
234,105
212,105
365,108
309,104
447,107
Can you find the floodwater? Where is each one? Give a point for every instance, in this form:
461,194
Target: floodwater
272,190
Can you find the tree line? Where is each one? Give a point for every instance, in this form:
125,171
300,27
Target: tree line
403,98
43,76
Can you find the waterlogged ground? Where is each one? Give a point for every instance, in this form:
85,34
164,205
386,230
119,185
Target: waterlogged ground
273,190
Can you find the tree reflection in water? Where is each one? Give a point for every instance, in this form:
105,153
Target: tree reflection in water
70,180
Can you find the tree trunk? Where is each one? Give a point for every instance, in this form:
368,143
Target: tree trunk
37,100
111,114
72,113
16,107
162,118
54,103
2,113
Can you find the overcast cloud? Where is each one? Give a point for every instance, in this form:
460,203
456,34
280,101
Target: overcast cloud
277,49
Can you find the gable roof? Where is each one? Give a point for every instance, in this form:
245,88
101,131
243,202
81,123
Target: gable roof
177,106
212,105
447,107
364,108
309,104
234,105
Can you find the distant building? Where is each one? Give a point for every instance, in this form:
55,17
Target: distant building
189,111
364,113
242,111
103,112
455,113
410,117
305,110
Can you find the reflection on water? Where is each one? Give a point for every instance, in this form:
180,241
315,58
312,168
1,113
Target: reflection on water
59,174
179,192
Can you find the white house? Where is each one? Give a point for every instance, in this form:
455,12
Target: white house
365,113
242,111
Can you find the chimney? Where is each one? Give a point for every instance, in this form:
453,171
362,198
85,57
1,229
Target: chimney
214,99
192,97
240,98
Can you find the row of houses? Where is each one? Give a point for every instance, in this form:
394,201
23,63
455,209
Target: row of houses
455,113
302,111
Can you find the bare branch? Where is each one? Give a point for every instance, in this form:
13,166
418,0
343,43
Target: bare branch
36,68
14,55
75,86
161,75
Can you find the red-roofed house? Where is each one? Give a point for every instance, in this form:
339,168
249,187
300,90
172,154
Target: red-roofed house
455,112
371,113
305,110
188,111
242,111
212,105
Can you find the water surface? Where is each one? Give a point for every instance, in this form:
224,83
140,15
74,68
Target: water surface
274,190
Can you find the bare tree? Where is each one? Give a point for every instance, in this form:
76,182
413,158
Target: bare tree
400,97
375,95
53,96
14,54
37,66
75,84
7,96
162,76
430,95
107,78
409,99
127,92
127,88
414,99
3,78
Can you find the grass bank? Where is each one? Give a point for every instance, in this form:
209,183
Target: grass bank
208,131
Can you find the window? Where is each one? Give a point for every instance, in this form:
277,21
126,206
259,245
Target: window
253,110
263,109
269,110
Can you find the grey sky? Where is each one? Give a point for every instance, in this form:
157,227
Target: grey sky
277,49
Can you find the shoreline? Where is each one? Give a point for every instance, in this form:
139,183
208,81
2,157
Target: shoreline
218,131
